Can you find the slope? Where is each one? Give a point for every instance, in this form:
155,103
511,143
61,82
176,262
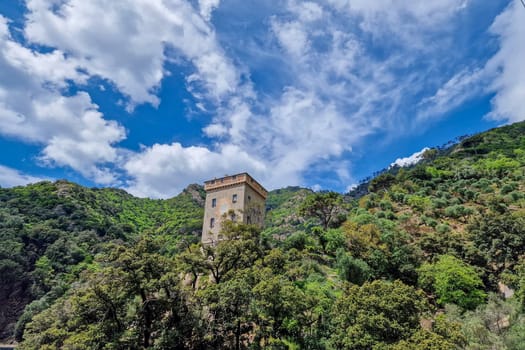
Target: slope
51,231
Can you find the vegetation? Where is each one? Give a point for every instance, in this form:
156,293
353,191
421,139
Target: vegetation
452,281
51,232
413,264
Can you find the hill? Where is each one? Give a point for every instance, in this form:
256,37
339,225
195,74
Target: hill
51,231
450,201
414,262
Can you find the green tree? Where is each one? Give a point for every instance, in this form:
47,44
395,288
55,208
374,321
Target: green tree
499,324
382,182
278,306
424,340
500,237
133,300
326,207
352,269
228,304
374,314
191,261
453,281
238,248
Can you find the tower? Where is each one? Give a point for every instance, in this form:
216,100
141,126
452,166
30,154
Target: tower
236,197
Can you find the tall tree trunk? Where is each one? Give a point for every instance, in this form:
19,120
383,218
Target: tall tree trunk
238,336
147,319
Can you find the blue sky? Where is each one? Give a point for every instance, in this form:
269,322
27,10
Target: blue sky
151,95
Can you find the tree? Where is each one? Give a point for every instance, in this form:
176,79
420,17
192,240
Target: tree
238,248
498,324
374,314
453,281
382,182
352,269
133,300
278,306
191,262
424,340
326,207
228,304
500,237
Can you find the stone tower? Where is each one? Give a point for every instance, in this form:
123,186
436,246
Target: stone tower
236,197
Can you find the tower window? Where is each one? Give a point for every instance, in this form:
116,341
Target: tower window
234,198
249,198
214,202
248,219
212,222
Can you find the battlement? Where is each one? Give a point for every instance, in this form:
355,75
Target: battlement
234,180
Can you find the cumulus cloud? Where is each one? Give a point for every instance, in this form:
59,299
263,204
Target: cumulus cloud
11,177
411,160
336,71
126,42
70,128
507,64
162,170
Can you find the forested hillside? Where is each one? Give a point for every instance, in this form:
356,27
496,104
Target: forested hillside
417,263
50,232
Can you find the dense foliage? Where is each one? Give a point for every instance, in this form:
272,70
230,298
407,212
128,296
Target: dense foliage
416,263
51,232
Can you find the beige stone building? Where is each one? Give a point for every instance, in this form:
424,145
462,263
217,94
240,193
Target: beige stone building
236,197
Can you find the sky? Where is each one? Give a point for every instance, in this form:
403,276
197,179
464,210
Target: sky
153,95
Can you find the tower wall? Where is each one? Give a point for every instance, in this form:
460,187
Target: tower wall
239,194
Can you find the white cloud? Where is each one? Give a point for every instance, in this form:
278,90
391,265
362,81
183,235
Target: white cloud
316,188
307,11
509,84
352,67
215,130
292,37
402,18
70,128
458,89
207,7
411,160
351,187
163,170
300,131
10,177
51,68
127,41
